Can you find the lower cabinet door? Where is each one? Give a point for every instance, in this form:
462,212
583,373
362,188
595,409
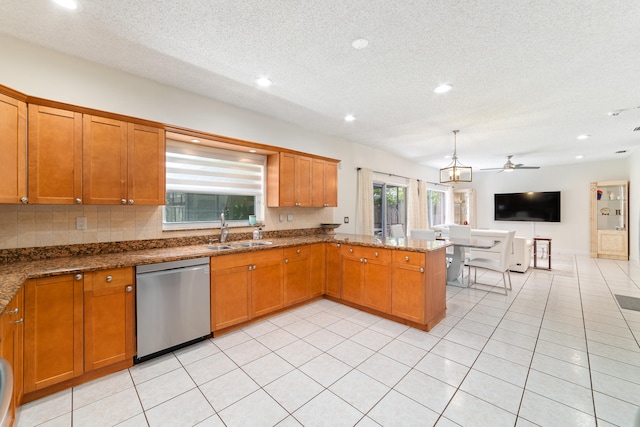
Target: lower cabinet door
230,289
266,287
377,285
408,292
108,318
52,331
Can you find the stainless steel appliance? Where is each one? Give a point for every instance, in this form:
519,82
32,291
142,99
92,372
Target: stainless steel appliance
6,392
172,306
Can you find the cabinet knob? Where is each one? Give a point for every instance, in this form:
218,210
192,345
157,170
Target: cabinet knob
286,261
128,288
421,269
14,311
406,258
78,201
130,201
78,276
109,278
123,201
351,250
298,251
361,260
24,200
338,245
250,267
365,260
376,254
19,321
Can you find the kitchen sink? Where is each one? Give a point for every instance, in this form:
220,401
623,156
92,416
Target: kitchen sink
250,244
219,247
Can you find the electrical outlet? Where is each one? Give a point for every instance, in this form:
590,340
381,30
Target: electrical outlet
281,217
81,223
346,220
290,217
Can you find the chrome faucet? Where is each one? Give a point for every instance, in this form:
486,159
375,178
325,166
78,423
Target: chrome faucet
224,229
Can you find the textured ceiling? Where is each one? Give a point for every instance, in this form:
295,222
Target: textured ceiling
528,76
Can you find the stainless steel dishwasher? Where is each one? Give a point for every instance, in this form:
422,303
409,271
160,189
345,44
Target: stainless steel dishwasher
172,306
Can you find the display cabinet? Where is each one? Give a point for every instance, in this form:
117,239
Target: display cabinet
610,220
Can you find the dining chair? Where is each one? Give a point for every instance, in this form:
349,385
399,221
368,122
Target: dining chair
500,265
397,230
423,234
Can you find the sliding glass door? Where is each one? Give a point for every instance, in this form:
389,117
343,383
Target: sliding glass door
389,207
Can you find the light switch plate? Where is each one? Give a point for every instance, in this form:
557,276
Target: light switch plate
281,217
290,217
346,220
81,223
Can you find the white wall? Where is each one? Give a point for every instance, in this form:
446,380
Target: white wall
634,206
572,234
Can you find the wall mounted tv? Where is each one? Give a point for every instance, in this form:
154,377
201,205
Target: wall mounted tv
532,206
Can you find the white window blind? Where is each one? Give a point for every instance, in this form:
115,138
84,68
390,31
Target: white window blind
205,170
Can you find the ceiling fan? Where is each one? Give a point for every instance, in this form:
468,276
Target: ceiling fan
509,166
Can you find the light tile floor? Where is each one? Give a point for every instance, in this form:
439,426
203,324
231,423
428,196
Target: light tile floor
557,351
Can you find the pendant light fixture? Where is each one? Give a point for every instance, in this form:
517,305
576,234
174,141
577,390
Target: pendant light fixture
455,172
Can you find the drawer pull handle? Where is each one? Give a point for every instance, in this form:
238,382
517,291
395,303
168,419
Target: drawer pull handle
19,321
406,258
14,311
298,251
109,279
129,288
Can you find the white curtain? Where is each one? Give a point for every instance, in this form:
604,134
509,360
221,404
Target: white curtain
424,204
449,212
413,206
364,204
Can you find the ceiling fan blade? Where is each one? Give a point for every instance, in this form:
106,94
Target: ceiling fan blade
527,167
491,169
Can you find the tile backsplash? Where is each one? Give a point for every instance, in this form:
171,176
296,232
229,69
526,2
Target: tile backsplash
23,226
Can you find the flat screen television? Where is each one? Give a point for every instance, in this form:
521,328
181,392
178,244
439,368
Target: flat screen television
541,206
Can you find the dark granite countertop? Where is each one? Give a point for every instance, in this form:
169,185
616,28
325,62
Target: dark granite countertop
14,274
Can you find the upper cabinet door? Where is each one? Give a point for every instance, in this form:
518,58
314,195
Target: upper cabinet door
146,168
13,146
317,183
331,184
55,156
287,179
104,161
303,181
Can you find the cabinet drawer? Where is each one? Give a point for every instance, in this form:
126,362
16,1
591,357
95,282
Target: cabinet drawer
242,259
111,278
297,252
382,255
408,258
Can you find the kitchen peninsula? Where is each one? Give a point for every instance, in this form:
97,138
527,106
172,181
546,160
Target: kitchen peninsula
400,279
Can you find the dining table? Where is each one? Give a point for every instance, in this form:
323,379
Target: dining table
456,261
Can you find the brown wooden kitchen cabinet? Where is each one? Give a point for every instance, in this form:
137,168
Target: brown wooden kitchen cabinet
297,274
109,311
244,286
304,272
366,276
333,270
53,333
408,285
11,345
318,269
55,155
324,184
288,180
13,146
123,163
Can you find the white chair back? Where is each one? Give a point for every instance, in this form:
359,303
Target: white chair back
507,250
423,234
397,230
459,231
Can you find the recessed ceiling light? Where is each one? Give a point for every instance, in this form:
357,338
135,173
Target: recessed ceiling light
579,156
583,136
195,140
263,82
68,4
443,88
349,118
253,151
360,43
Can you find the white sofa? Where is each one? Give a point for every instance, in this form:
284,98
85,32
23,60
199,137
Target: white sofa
520,251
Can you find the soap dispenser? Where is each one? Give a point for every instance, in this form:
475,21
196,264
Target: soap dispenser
256,234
